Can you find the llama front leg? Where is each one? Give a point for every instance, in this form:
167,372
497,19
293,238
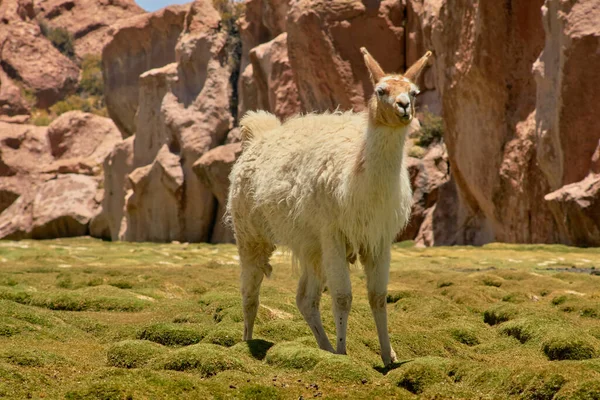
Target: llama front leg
308,298
377,269
336,270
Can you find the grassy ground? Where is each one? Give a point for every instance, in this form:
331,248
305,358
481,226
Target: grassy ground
84,319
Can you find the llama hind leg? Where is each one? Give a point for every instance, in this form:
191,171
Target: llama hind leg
377,269
308,298
254,263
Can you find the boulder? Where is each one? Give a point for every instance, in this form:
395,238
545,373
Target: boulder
87,20
274,80
24,149
154,204
76,134
324,40
26,56
117,167
63,207
213,170
136,45
576,208
12,99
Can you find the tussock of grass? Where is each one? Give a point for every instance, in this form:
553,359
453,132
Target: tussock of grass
565,345
226,336
296,356
343,369
172,334
84,300
499,313
206,359
133,353
420,373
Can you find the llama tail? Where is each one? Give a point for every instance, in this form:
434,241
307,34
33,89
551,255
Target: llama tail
255,124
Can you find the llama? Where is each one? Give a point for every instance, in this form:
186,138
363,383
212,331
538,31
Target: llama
331,187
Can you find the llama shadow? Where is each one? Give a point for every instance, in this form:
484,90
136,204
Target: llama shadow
385,370
258,348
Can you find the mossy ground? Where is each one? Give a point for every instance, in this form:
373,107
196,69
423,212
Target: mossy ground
85,319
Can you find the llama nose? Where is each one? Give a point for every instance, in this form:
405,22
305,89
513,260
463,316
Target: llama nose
403,100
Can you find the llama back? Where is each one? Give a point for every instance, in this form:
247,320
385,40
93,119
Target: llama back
280,175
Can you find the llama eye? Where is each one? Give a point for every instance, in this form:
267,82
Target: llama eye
414,93
380,90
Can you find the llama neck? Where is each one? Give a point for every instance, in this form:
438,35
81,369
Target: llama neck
382,152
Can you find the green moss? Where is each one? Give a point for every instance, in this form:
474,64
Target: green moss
543,387
465,336
258,392
206,359
282,330
588,390
343,369
296,356
499,313
32,358
171,334
133,353
567,346
224,335
84,300
420,373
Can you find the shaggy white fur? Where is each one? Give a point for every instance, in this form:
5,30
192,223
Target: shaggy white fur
330,186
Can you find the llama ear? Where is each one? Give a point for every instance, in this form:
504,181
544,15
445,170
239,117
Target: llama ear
373,66
415,71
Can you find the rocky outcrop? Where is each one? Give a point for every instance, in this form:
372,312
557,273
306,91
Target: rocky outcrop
183,111
87,20
426,174
213,170
154,204
12,100
324,39
566,114
137,44
273,78
117,167
576,208
28,57
49,177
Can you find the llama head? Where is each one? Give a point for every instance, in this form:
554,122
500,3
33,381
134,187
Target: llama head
393,101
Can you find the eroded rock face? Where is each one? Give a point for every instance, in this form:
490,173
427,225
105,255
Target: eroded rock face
324,38
566,113
64,206
49,176
274,79
137,44
76,134
154,203
117,167
28,57
576,208
213,170
12,100
87,20
426,175
488,92
184,110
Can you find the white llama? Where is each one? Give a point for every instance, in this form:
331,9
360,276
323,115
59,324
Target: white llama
331,187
